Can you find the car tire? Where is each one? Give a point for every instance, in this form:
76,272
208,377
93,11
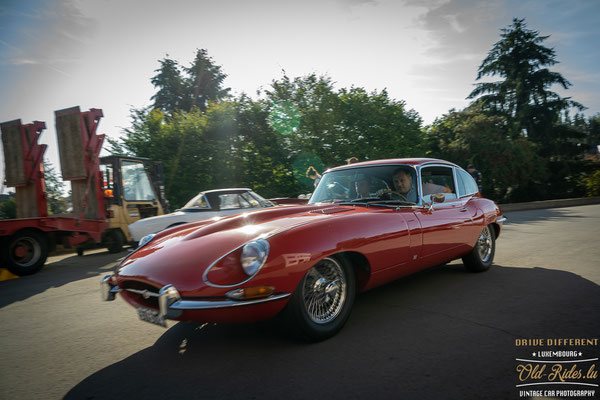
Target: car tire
114,241
26,252
481,257
322,302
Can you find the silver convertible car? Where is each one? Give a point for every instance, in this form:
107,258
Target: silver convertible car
206,205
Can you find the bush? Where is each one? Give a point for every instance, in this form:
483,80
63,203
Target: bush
8,209
591,182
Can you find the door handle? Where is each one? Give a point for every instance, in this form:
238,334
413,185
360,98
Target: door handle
463,209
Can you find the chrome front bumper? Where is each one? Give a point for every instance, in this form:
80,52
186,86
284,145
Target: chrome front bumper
171,304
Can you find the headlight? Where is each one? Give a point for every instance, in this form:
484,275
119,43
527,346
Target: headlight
145,240
254,255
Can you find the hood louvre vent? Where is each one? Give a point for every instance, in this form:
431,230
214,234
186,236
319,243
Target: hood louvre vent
330,210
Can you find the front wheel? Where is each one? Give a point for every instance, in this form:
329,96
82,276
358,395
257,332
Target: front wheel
322,302
482,255
114,241
26,252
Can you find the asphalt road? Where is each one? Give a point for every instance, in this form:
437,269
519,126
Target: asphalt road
440,334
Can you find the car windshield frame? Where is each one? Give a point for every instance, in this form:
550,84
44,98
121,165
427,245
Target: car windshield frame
342,181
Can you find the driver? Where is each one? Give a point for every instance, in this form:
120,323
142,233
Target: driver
403,185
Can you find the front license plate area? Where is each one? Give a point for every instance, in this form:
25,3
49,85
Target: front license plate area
152,316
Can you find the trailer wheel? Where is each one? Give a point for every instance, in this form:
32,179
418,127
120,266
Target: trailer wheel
114,241
26,252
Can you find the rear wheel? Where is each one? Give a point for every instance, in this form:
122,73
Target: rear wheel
26,252
323,300
482,255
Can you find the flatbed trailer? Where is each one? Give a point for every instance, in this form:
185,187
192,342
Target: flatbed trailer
107,193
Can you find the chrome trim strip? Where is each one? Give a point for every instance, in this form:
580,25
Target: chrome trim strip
108,291
145,293
501,220
215,304
169,292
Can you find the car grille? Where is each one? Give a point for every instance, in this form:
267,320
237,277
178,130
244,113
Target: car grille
142,293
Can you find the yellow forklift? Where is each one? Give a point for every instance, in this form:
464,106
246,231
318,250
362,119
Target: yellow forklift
133,189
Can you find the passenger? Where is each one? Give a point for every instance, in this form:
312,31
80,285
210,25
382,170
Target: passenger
362,186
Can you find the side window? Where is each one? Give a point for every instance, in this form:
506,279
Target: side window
461,184
437,180
469,182
229,201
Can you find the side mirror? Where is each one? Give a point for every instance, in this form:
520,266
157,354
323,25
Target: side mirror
435,198
438,198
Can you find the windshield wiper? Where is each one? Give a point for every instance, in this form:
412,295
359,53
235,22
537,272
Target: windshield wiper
375,201
392,202
361,200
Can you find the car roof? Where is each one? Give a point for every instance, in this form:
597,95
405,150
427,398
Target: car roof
394,161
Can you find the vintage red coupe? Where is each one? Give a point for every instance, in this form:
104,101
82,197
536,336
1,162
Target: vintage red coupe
366,224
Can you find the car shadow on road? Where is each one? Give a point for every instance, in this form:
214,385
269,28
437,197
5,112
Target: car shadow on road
58,273
442,333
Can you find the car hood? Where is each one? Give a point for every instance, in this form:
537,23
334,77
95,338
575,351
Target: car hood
186,251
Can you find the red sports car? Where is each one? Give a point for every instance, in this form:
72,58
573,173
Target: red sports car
366,224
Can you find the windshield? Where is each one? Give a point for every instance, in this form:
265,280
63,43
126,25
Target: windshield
388,182
227,201
136,185
197,202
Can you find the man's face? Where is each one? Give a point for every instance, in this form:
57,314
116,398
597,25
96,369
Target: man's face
402,182
470,170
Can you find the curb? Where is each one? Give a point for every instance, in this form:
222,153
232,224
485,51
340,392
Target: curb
536,205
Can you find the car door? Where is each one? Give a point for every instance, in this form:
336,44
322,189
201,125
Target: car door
467,191
445,226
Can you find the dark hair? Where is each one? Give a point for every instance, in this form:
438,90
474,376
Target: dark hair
404,170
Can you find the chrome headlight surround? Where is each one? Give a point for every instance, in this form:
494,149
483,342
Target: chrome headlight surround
254,255
145,240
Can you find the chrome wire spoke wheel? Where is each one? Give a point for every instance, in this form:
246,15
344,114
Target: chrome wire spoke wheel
484,244
324,291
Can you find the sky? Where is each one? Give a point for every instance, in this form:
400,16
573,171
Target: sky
57,54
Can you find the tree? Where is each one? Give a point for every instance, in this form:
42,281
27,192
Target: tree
171,87
183,88
57,203
337,124
511,168
204,82
523,96
374,126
